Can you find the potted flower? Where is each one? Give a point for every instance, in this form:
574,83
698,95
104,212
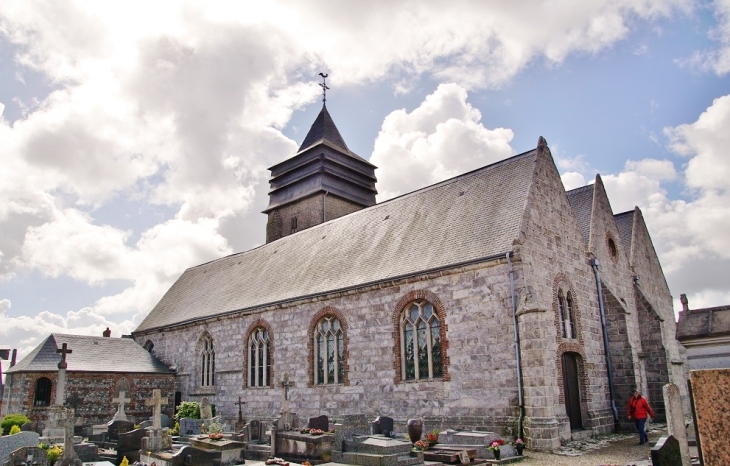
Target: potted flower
519,446
432,438
316,432
420,445
494,447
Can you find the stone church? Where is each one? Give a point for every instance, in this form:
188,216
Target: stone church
493,300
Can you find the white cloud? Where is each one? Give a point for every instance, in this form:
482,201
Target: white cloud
441,138
717,59
572,180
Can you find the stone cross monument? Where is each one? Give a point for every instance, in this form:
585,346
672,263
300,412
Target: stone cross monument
61,384
156,402
69,454
241,422
121,400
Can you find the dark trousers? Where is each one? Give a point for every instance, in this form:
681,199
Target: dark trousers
640,423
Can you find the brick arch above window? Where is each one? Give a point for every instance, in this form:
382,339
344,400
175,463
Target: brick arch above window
440,311
258,323
562,286
322,313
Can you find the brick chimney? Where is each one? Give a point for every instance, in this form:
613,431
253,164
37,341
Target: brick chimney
685,303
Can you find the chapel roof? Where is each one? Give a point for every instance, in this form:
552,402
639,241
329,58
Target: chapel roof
581,200
472,217
625,225
91,354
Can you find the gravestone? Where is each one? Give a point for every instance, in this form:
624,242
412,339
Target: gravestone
28,456
156,402
129,445
10,443
254,430
145,424
206,410
190,426
676,426
710,392
120,401
69,453
165,420
114,428
666,452
382,425
240,423
286,420
319,422
157,439
61,378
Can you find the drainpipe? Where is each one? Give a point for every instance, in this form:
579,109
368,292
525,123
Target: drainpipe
324,206
518,352
606,349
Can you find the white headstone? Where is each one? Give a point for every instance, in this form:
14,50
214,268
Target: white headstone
206,410
676,426
121,400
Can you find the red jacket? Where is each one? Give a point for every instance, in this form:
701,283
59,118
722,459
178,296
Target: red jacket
638,408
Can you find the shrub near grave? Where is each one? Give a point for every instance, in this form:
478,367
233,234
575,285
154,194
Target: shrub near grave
12,420
188,409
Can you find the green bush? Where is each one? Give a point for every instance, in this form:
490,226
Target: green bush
13,420
188,409
14,430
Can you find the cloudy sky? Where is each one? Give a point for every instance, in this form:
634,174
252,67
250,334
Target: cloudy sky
135,136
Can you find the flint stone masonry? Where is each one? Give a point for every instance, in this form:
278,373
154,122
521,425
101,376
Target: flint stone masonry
10,443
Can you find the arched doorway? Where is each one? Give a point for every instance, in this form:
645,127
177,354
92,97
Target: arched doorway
571,389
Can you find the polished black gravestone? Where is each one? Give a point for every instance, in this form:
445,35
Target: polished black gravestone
666,452
129,444
114,428
319,422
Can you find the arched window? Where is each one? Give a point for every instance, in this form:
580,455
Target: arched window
149,346
42,392
420,342
566,314
259,358
207,362
329,351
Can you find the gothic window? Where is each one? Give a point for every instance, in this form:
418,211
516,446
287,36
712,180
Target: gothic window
259,358
329,351
420,338
567,314
42,392
207,362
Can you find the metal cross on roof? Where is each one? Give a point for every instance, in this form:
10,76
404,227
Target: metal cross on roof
324,87
64,351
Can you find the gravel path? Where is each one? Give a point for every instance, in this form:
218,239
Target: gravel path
606,450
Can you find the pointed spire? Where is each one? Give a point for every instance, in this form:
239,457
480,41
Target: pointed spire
324,128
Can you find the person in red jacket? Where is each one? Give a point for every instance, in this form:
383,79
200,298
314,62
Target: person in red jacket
638,410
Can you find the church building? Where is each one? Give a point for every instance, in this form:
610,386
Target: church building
493,300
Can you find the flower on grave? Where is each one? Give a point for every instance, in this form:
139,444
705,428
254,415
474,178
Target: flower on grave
304,430
215,435
432,437
215,428
496,444
420,445
519,441
316,431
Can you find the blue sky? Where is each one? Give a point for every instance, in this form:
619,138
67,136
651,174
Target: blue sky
136,138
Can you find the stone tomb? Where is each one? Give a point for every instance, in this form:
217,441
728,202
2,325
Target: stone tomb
382,425
473,439
297,446
666,452
354,444
10,443
27,456
319,422
230,450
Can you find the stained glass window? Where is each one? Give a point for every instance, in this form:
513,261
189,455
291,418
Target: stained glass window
420,342
259,358
329,351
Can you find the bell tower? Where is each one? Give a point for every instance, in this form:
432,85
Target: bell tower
322,181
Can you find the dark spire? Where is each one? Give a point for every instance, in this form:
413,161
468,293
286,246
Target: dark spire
324,128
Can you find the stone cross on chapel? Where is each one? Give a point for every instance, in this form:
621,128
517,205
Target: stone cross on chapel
240,412
156,402
61,383
121,400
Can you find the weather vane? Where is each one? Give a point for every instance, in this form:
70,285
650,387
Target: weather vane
324,87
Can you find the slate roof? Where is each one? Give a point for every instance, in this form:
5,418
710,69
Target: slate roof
581,199
323,128
472,217
625,225
707,322
91,354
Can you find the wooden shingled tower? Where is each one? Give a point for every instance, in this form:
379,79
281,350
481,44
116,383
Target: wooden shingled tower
322,181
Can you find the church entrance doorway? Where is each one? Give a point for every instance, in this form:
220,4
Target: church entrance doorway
571,388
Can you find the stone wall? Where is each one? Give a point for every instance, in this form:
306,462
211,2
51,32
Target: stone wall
480,390
550,255
308,213
95,390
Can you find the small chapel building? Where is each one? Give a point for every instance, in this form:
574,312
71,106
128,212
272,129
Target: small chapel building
98,370
492,300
